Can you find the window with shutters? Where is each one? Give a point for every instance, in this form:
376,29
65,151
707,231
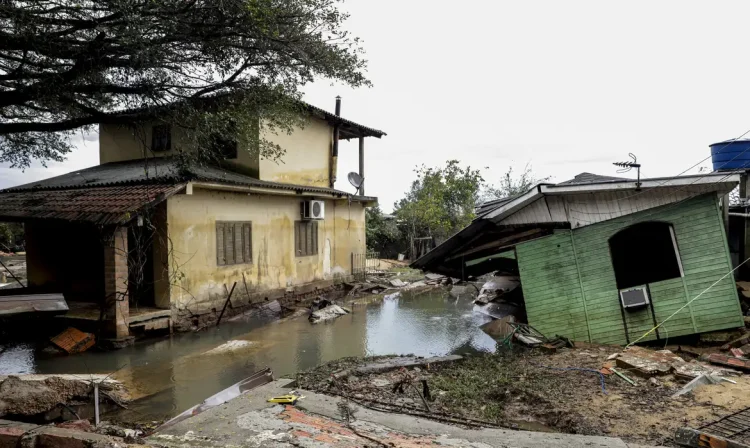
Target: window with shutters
305,238
234,242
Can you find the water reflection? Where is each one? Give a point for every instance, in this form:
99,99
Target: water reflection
175,373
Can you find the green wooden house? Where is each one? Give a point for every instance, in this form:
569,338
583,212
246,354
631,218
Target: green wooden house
606,259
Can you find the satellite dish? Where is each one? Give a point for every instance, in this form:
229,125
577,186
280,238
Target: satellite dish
355,179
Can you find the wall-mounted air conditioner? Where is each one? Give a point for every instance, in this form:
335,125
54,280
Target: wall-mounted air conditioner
313,209
634,297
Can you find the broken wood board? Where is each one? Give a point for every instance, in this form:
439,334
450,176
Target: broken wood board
32,303
73,340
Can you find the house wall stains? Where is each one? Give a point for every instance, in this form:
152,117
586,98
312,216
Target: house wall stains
198,281
118,143
307,158
570,289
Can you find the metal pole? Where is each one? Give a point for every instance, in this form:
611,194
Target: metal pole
96,404
362,165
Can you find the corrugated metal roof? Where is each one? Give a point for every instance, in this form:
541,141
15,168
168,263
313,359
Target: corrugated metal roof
488,206
99,205
591,178
163,170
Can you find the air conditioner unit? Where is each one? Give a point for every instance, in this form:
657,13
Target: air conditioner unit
634,297
313,209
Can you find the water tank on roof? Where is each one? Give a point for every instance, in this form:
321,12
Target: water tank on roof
731,155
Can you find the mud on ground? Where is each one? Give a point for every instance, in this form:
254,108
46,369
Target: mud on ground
518,389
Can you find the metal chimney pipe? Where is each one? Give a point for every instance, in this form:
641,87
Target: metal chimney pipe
335,149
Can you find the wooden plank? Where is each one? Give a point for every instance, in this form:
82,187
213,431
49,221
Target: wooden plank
32,303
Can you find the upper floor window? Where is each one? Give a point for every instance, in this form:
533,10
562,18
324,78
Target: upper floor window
161,138
645,253
224,146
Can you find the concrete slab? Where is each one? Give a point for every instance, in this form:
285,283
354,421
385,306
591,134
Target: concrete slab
316,421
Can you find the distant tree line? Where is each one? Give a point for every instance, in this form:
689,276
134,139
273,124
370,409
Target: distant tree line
440,202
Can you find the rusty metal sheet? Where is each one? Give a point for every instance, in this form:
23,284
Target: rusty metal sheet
74,340
32,303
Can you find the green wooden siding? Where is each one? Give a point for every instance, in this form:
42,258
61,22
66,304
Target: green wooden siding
569,283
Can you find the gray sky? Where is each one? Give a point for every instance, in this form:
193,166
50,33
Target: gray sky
566,86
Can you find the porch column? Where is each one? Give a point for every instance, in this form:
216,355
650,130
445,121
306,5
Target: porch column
362,164
116,284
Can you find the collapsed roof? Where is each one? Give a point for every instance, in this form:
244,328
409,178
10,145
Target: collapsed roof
585,200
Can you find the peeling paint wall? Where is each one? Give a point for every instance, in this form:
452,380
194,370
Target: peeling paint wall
198,282
119,143
307,158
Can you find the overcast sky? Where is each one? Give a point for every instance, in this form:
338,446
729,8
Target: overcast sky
568,86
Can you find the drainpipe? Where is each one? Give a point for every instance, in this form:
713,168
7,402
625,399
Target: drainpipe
335,151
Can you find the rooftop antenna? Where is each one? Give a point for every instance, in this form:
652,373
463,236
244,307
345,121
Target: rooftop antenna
356,180
627,166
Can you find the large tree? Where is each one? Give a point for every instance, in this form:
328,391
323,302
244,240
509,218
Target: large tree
69,64
440,201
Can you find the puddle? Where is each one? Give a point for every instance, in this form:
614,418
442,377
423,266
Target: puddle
175,373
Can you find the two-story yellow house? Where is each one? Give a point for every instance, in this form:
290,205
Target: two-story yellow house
145,243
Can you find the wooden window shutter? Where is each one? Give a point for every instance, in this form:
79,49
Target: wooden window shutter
239,253
308,238
247,242
317,251
220,254
229,244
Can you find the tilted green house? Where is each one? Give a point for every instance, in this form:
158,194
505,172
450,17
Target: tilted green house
605,259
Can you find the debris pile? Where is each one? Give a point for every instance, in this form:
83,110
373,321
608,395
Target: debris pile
328,313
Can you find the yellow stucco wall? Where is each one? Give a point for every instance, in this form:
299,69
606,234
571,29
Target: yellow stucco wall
192,231
119,143
307,157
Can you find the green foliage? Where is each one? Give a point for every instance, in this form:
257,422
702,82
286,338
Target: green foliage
512,185
71,64
383,234
11,236
440,202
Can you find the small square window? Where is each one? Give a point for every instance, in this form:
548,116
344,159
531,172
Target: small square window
224,147
161,138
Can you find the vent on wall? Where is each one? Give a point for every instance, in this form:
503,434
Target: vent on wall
634,297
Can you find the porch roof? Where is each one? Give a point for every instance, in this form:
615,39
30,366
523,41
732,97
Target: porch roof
98,205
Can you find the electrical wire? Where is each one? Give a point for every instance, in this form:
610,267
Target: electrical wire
687,304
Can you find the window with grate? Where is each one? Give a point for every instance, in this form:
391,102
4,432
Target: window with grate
305,238
234,242
161,138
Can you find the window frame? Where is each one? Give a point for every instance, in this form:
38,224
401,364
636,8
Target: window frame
227,251
616,256
307,246
167,129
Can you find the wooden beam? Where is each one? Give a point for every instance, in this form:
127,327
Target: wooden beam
498,243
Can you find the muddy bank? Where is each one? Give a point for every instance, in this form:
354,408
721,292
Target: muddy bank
531,390
43,398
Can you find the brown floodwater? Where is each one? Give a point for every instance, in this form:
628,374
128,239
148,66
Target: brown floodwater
169,375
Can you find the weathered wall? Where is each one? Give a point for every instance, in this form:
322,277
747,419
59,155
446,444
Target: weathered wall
198,283
65,257
570,289
120,143
307,157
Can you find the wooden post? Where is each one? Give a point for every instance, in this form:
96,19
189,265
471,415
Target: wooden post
362,164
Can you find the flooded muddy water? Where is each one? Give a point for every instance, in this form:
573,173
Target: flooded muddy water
167,376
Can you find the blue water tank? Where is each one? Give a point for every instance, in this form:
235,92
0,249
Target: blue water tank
731,155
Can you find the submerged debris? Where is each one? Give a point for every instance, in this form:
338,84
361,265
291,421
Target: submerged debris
327,313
